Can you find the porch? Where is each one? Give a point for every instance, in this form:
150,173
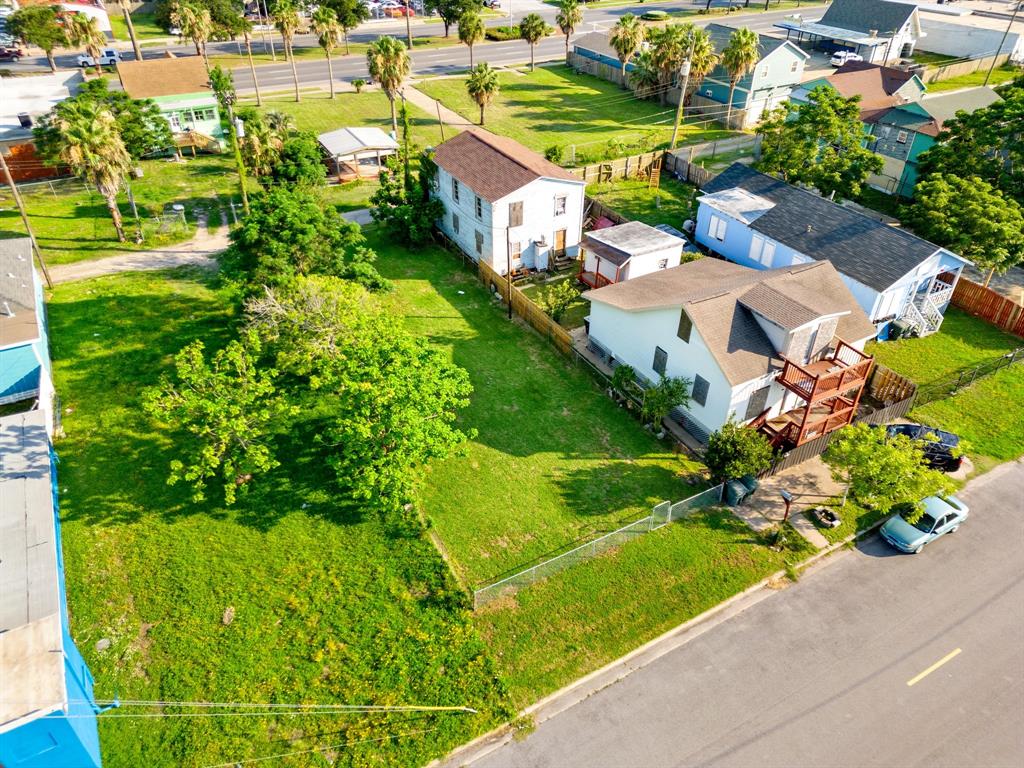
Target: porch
593,279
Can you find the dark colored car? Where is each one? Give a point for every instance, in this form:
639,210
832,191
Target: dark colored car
12,55
941,449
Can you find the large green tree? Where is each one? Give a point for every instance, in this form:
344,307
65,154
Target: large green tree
83,31
196,23
229,406
224,15
819,143
483,85
471,30
328,30
625,39
987,143
143,129
389,64
350,13
971,217
569,17
451,11
739,58
532,29
38,25
882,471
285,14
291,231
299,162
393,399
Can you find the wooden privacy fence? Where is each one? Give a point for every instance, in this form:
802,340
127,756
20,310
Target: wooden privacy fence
887,386
686,171
992,307
526,309
620,168
595,209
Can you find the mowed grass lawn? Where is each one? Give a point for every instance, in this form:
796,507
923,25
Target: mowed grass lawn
73,224
672,202
1003,74
553,459
554,106
328,606
962,343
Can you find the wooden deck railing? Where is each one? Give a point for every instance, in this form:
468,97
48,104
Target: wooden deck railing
848,368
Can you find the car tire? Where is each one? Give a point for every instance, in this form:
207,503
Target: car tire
15,59
954,529
918,550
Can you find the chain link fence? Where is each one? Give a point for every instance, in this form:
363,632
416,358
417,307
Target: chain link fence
661,515
939,390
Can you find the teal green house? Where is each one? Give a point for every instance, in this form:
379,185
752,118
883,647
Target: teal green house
180,87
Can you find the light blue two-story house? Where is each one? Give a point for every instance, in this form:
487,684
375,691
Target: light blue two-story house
47,706
24,351
759,221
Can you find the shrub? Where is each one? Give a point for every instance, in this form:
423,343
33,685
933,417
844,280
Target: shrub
660,399
735,450
654,16
555,299
502,33
554,153
623,378
359,84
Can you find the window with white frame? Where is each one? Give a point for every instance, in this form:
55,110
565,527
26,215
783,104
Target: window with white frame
762,250
901,137
455,189
716,227
175,120
560,203
455,223
516,249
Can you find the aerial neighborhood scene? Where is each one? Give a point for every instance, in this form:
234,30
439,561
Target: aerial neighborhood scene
511,383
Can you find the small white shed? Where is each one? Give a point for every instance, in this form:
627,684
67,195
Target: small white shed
614,254
357,152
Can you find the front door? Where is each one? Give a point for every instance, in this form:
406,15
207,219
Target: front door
560,242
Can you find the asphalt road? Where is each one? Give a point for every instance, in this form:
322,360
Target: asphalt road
820,675
427,61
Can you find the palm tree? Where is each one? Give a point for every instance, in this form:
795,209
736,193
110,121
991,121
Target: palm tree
281,124
531,29
195,23
570,16
471,30
286,19
245,27
670,47
260,147
483,85
126,11
328,31
739,57
388,61
626,36
91,145
702,57
83,31
645,77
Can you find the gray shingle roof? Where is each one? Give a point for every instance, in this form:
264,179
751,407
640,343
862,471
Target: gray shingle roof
866,15
720,34
18,321
720,297
869,251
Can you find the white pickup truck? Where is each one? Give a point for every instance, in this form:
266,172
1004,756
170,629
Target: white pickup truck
108,58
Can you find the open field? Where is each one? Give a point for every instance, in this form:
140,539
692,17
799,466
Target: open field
73,224
582,114
328,606
144,23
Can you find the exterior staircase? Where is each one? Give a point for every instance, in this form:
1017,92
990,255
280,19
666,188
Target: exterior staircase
923,311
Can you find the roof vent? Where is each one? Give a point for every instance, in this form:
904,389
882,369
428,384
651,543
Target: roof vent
809,228
872,33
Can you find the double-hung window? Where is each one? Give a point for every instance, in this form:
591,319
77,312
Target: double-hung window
762,250
560,202
455,189
716,227
660,360
479,204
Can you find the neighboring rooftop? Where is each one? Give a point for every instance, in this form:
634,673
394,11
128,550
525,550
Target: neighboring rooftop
720,34
721,298
875,84
881,16
495,166
165,76
739,204
34,96
620,243
18,321
348,141
31,648
867,250
944,106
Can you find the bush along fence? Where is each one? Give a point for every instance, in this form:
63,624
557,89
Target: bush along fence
661,515
985,304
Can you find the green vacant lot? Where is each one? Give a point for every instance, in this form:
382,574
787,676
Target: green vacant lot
73,224
1000,75
328,607
554,106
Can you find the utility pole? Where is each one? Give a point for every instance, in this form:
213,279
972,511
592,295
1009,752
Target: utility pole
24,218
508,268
684,72
1016,8
238,132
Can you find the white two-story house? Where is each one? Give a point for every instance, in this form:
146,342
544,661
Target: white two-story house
505,204
762,222
781,348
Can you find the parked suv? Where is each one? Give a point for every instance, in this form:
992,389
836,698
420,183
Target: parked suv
941,449
108,58
12,55
842,57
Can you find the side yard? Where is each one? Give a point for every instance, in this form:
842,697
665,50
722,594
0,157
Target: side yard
671,203
587,118
289,597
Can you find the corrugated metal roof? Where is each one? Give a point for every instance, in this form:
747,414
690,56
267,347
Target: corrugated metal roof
347,141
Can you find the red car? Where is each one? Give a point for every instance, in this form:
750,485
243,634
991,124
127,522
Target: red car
395,13
12,55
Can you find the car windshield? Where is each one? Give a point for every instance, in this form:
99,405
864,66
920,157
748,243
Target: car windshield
925,523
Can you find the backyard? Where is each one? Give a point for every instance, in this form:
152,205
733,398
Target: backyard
586,117
1003,74
671,203
577,310
72,223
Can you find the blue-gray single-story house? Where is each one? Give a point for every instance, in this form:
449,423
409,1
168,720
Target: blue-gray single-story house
47,707
24,351
759,221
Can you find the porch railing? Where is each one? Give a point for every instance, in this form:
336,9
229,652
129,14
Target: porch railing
854,368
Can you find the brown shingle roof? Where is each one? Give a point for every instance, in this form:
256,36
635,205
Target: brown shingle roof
163,77
494,166
720,298
876,85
